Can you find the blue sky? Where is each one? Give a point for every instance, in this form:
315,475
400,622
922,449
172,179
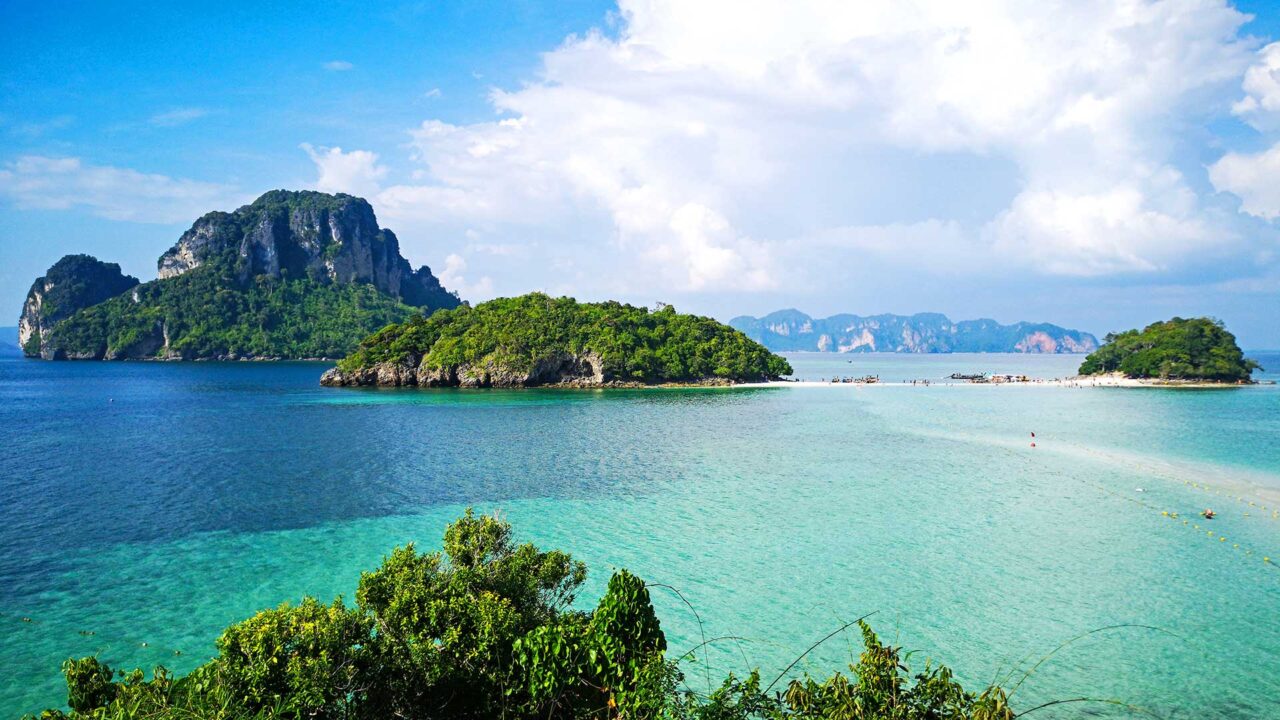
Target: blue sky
1098,165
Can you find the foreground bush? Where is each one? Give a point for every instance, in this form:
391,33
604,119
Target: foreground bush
485,629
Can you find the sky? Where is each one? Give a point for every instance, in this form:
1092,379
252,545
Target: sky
1095,164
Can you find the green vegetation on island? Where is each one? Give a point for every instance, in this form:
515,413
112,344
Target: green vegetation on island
1195,349
208,313
488,629
539,340
291,275
72,283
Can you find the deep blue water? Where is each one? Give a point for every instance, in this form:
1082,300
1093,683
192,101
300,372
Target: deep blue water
157,503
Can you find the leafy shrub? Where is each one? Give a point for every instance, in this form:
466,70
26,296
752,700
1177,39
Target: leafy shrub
309,659
485,629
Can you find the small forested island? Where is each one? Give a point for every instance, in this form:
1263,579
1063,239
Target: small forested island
1197,350
487,629
291,275
535,340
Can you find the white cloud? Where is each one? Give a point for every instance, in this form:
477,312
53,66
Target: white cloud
1095,234
432,93
337,65
451,277
178,116
356,172
49,183
1261,103
696,147
1255,179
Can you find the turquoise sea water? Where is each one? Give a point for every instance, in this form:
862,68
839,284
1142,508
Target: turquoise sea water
156,503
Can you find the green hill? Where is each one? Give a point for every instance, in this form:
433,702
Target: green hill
1177,349
538,340
291,275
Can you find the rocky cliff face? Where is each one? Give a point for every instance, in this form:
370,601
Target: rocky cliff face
73,283
585,370
306,234
291,275
792,330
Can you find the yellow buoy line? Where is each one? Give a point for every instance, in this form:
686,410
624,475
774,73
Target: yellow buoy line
115,639
1262,509
1269,560
1194,526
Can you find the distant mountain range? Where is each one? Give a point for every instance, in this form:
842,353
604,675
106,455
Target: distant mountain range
792,330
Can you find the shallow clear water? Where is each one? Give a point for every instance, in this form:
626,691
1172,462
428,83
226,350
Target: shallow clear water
157,503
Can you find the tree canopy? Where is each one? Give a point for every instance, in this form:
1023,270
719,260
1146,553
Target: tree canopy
1176,349
488,628
632,343
207,312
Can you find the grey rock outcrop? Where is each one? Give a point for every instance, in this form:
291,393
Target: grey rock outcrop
585,370
306,234
73,283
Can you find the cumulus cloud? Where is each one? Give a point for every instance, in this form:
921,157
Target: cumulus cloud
451,276
356,172
1261,103
52,183
1097,233
710,147
1255,179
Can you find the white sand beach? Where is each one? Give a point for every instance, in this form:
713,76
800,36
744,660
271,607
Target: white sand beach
1111,380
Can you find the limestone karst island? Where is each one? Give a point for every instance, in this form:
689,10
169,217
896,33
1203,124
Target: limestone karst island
291,275
640,360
